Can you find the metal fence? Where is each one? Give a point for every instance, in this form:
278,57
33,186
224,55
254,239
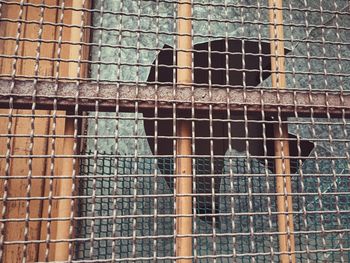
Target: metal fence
174,130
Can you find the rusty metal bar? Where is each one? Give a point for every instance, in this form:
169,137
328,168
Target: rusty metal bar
288,100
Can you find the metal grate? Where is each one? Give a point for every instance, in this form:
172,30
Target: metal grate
174,130
145,225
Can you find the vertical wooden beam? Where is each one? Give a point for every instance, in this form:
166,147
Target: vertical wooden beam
61,208
184,164
23,209
48,203
282,164
17,209
63,228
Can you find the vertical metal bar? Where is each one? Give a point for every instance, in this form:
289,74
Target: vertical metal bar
184,164
281,146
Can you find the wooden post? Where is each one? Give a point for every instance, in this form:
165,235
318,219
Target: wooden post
63,228
282,166
17,209
65,186
30,186
183,131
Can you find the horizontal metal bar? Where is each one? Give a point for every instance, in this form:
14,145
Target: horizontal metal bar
68,94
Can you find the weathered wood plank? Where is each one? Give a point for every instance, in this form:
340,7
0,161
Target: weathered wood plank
16,231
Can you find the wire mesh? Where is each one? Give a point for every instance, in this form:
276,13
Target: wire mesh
94,96
103,247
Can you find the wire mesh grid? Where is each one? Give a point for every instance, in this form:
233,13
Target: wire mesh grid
187,131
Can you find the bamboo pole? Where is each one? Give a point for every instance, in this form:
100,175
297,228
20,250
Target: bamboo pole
281,146
183,165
